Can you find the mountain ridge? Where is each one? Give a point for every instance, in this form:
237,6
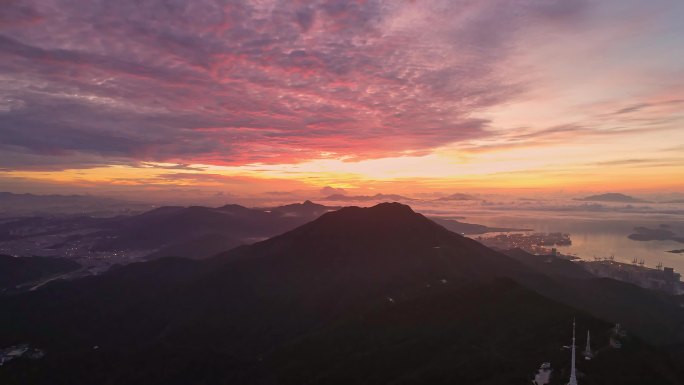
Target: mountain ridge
301,307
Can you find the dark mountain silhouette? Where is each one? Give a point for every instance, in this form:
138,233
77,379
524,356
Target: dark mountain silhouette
611,197
194,232
358,296
164,225
368,251
199,247
307,210
652,315
16,271
201,232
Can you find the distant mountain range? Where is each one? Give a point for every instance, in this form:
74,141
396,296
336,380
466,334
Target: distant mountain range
30,204
202,232
234,225
611,197
378,295
193,232
367,198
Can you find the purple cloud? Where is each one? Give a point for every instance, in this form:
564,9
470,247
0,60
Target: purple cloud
230,82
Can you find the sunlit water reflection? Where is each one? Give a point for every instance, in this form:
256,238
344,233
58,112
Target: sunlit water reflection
597,230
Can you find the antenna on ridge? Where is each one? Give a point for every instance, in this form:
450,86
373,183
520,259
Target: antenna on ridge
573,375
588,355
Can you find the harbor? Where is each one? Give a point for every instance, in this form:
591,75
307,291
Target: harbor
659,278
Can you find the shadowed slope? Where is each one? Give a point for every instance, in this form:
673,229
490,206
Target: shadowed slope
404,300
15,271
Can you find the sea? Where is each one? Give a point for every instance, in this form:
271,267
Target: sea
597,229
595,232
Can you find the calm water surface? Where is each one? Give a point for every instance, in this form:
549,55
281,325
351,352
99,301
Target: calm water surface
599,234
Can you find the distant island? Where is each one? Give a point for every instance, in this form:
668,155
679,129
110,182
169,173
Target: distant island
660,234
678,251
611,197
366,198
458,197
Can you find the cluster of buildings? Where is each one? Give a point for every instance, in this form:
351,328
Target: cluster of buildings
537,243
660,278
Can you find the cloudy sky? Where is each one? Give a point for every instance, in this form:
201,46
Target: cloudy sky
273,96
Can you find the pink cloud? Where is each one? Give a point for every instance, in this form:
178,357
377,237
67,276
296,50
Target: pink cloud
243,82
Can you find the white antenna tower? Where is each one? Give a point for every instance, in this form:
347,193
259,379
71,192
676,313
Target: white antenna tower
573,376
588,355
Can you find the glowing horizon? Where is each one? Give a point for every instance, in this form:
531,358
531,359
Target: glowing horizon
256,97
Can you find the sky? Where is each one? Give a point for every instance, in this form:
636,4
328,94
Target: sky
278,97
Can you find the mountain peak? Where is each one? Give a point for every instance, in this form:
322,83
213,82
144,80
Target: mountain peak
392,207
366,248
382,220
395,205
232,206
385,210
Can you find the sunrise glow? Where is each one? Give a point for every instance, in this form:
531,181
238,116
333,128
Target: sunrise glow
272,96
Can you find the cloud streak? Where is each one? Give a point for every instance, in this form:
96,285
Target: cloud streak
336,92
233,82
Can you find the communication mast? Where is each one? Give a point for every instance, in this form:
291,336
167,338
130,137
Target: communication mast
573,375
588,355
